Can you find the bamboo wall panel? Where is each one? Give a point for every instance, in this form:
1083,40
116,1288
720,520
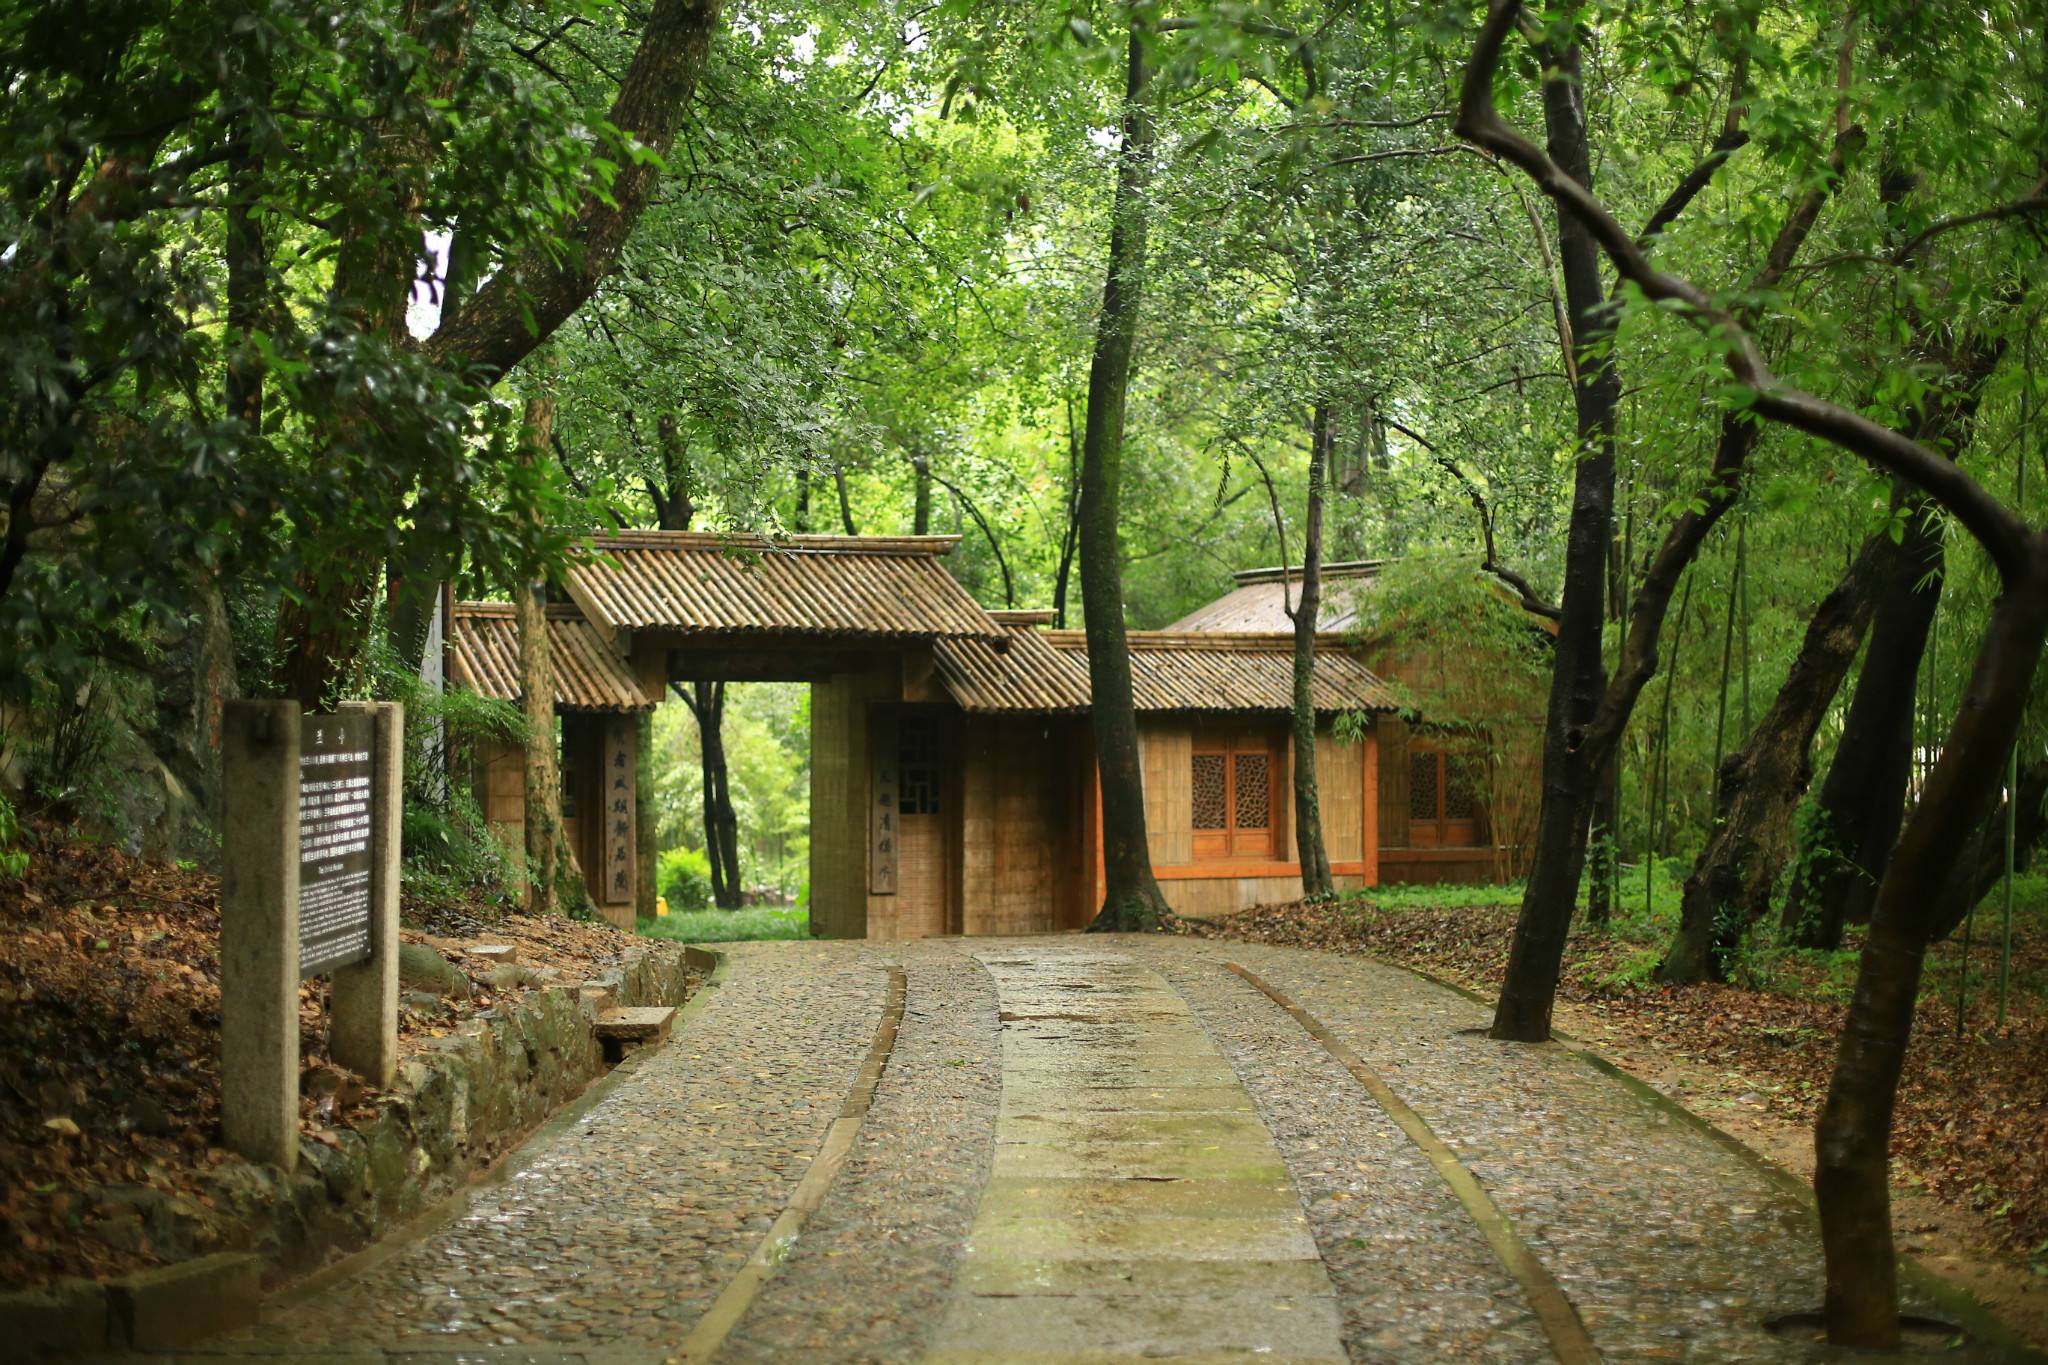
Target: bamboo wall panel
1215,897
1017,841
839,816
921,880
1340,784
1166,750
1393,771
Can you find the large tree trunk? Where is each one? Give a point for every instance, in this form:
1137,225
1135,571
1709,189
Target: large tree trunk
1852,1142
1862,802
543,815
1131,898
518,308
1981,865
1579,672
1316,882
1759,786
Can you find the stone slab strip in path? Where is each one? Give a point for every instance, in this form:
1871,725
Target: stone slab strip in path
1568,1338
740,1292
1137,1208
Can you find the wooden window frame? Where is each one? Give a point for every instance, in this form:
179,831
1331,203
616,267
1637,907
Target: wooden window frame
1440,830
1233,842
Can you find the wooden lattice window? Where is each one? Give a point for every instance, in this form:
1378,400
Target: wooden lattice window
1443,803
1211,786
1234,783
917,753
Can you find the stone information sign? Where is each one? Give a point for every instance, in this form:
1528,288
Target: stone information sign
309,887
334,841
882,805
619,756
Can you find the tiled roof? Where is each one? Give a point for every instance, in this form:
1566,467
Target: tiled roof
1047,671
1031,676
1259,601
839,587
588,674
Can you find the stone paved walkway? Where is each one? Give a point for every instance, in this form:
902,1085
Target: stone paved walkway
1084,1149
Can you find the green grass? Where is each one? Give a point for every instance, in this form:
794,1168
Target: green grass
729,926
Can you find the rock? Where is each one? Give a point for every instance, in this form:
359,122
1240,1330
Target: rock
499,954
424,969
426,1002
64,1318
326,1081
174,1305
511,974
149,1118
649,1024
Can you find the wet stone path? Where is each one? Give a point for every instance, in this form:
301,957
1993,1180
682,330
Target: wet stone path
1080,1149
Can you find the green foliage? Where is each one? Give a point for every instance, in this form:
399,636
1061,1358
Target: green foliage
684,878
13,859
729,926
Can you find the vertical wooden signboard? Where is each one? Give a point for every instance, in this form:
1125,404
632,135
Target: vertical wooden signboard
885,780
619,756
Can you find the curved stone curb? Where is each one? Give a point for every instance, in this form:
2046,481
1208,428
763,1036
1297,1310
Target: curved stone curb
1957,1303
739,1294
1569,1340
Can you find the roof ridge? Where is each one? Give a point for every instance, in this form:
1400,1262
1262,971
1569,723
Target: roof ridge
758,540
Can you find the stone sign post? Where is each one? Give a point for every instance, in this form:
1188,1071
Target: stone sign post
309,887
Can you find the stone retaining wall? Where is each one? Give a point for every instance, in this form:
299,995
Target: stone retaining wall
455,1108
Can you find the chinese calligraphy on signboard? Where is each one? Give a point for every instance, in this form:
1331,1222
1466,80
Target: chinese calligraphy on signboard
884,836
616,785
334,842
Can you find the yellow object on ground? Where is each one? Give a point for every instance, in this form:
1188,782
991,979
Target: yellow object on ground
661,907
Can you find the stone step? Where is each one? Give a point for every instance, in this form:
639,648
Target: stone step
648,1024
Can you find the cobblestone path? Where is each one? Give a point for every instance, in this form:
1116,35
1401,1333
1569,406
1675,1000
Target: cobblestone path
1086,1149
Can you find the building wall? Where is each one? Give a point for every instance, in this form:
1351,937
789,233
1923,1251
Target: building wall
1345,780
1018,859
840,904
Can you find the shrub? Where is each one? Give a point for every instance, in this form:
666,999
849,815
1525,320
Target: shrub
684,877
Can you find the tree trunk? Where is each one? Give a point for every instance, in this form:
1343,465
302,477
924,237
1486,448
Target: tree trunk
1579,672
845,503
1760,785
1852,1141
323,626
1981,865
1316,882
721,825
803,498
1862,802
921,494
1601,855
543,816
1070,540
1131,898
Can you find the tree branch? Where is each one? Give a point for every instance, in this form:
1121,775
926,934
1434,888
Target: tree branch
2006,538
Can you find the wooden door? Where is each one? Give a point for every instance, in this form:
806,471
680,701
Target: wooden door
925,797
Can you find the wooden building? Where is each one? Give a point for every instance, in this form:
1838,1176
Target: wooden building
953,785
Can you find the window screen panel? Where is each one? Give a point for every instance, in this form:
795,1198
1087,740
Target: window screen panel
1254,790
1207,775
1459,802
1422,793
